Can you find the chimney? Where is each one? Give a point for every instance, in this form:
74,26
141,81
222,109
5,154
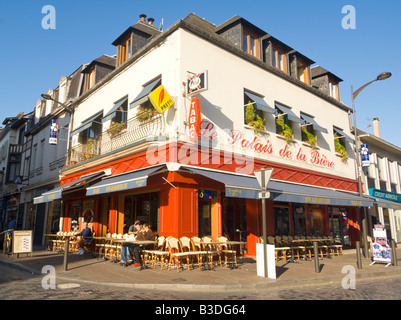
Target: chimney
143,18
376,127
150,20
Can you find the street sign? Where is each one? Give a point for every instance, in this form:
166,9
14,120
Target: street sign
263,176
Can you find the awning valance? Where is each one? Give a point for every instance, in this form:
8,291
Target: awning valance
143,95
343,135
290,114
87,124
306,119
246,186
57,192
113,110
259,102
121,182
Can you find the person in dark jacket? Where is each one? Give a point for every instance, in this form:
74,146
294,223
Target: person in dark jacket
145,234
85,233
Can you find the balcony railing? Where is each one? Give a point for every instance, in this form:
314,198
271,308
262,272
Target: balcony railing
135,131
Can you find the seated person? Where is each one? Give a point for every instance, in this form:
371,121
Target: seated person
127,247
85,233
145,234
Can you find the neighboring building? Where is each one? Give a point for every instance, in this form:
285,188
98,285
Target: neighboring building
11,149
46,160
261,109
382,180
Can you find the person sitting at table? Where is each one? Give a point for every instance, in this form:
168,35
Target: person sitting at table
85,233
133,229
145,234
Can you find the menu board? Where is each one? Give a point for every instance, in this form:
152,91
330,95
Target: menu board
22,241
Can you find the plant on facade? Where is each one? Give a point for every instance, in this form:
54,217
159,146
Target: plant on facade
90,148
308,137
145,113
339,148
116,128
284,129
254,119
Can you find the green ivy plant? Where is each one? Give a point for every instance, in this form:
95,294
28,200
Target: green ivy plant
284,129
255,120
338,147
308,137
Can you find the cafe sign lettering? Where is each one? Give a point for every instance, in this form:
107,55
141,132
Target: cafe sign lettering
236,138
194,120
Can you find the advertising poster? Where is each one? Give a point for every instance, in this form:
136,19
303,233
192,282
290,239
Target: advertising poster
380,247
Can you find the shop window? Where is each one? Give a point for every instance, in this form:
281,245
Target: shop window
75,216
143,207
315,220
53,219
282,221
299,220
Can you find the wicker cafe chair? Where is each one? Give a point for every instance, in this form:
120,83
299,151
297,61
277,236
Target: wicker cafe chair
226,250
335,248
297,247
188,246
211,250
283,249
176,253
159,254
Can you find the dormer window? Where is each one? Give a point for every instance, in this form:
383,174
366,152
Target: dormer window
279,59
334,90
89,79
124,51
303,72
250,43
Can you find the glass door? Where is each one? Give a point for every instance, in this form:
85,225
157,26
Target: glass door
204,217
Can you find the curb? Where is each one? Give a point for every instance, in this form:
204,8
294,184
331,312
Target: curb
273,284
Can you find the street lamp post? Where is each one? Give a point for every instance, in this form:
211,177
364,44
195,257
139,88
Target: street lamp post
381,76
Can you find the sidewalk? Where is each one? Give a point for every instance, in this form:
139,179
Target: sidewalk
85,269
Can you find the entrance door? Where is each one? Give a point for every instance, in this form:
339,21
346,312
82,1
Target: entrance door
39,224
204,217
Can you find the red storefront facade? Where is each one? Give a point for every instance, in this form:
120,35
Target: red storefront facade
174,203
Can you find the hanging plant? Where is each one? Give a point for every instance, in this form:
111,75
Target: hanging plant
308,137
254,119
116,128
145,113
339,148
284,129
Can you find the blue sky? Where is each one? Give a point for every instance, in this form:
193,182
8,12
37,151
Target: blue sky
34,59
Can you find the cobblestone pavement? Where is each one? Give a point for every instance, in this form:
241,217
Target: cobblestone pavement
21,285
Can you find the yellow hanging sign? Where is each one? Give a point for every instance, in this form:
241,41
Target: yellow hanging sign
160,99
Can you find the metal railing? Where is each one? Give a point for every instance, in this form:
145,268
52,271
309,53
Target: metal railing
134,132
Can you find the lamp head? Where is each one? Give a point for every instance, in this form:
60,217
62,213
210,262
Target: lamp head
46,96
384,76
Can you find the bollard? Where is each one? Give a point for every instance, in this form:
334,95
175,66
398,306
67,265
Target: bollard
66,246
358,255
316,253
394,253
